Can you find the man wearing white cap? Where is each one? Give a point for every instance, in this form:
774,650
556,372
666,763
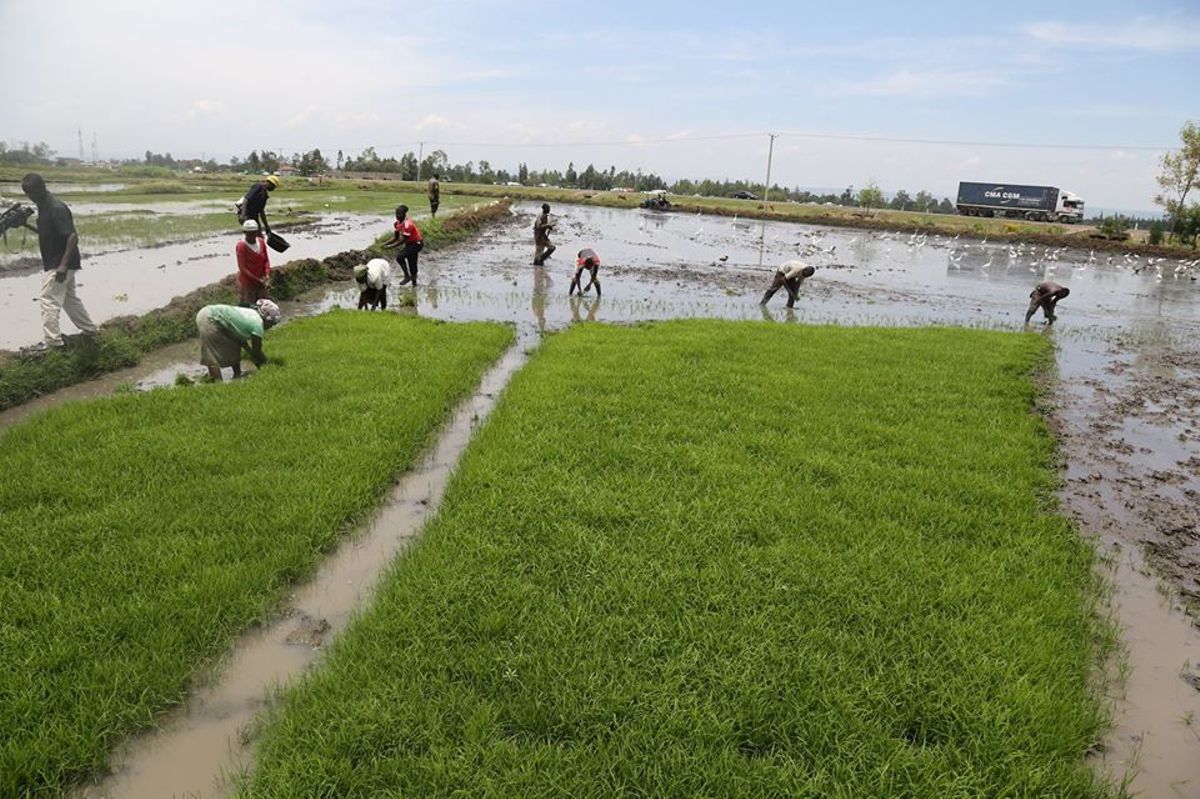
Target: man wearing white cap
253,264
225,330
373,278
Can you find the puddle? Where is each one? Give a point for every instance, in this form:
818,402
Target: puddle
10,191
1157,726
197,747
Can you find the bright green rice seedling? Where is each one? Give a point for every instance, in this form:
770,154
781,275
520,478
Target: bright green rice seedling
140,534
721,559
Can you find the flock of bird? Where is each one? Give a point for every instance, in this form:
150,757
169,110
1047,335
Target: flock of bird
1034,257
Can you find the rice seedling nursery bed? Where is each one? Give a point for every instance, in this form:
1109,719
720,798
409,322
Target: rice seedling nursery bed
727,559
139,534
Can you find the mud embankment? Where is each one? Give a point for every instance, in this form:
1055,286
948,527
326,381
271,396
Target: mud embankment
1136,460
122,341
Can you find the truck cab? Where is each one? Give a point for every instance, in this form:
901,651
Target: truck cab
1070,207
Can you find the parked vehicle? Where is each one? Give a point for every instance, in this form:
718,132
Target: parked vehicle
744,195
1035,203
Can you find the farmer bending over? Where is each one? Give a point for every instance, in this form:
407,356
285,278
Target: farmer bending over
1046,296
587,259
225,330
372,278
408,239
789,275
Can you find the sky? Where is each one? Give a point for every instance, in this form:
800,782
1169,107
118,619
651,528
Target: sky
682,89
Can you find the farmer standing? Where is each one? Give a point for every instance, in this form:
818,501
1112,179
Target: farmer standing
254,204
542,226
253,264
59,245
789,275
225,330
434,189
372,278
1046,296
587,259
410,243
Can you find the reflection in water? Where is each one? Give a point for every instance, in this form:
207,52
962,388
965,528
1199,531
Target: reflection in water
787,315
541,284
577,304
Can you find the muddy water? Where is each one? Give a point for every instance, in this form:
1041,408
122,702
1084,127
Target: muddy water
197,747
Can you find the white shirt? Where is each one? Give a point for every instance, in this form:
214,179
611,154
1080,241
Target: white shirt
792,269
378,273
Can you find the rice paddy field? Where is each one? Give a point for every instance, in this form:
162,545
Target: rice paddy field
705,558
142,533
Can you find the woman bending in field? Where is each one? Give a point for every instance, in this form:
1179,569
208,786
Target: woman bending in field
225,330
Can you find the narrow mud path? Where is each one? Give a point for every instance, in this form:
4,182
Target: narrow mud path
201,744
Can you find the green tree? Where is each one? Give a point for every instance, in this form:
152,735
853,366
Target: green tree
523,174
313,163
340,160
408,166
571,177
902,202
1180,174
924,201
870,196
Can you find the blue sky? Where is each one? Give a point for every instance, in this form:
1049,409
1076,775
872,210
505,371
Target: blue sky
546,83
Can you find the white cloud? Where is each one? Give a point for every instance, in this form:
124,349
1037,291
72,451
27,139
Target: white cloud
1143,33
905,82
437,122
201,108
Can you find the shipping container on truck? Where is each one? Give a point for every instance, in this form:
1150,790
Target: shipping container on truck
1035,203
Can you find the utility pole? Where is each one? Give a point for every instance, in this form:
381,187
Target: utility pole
770,155
420,158
95,152
81,157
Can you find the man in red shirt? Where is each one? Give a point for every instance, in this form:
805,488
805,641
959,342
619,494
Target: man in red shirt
254,265
587,259
408,239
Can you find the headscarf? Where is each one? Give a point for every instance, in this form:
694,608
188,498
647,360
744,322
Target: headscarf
269,312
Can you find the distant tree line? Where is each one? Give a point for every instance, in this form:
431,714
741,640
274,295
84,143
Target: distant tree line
25,153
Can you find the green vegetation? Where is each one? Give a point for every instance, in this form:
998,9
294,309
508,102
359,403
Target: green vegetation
1114,227
143,532
124,340
1180,175
723,559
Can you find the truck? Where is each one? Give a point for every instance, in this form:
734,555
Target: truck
1035,203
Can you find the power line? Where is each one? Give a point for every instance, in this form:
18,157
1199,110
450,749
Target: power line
973,143
611,143
792,134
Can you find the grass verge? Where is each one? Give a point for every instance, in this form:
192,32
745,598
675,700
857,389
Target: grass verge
123,341
727,559
142,533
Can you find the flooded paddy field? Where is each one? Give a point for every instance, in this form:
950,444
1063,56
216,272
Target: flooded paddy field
1124,406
